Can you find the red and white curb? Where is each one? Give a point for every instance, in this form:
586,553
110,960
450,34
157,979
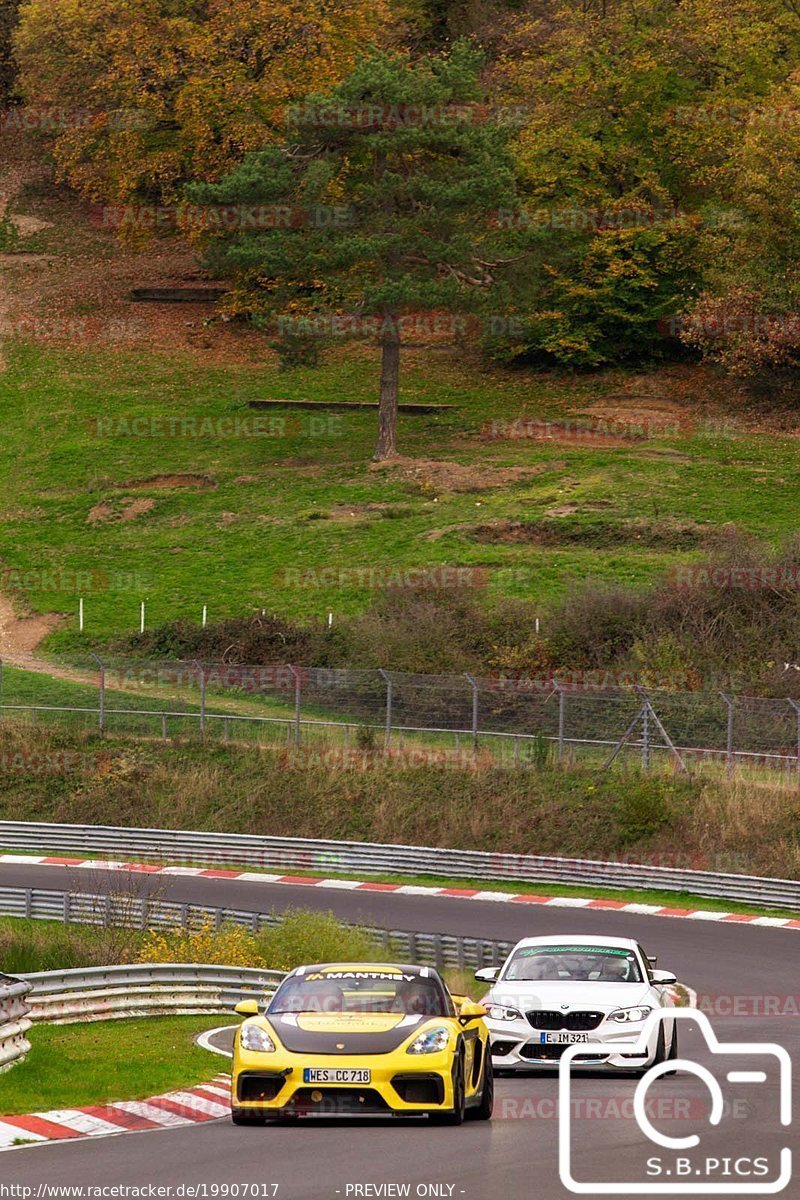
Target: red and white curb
407,889
206,1102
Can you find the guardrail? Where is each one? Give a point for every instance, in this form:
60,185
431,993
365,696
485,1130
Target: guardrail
436,949
143,990
368,858
14,1020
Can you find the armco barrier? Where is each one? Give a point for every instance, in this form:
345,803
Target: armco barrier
133,912
14,1020
302,854
144,990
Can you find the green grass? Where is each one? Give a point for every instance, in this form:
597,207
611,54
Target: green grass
228,546
104,1061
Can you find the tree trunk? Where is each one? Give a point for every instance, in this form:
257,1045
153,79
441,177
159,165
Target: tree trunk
386,445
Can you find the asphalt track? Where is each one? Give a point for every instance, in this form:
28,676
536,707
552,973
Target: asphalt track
741,970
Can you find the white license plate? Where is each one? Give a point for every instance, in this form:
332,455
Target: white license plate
563,1039
336,1075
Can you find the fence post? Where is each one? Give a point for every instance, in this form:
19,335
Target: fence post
102,693
796,708
646,734
388,683
201,669
729,740
1,687
562,711
297,685
470,680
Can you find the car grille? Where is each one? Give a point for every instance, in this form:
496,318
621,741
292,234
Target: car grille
534,1052
576,1022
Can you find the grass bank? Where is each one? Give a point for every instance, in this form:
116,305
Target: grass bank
660,818
105,1061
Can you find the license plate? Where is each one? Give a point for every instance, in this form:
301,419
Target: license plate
336,1075
563,1039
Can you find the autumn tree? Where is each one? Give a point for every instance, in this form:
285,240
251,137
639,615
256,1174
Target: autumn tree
8,67
402,151
203,81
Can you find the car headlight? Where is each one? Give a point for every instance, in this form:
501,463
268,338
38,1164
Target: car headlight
256,1038
431,1041
499,1012
630,1014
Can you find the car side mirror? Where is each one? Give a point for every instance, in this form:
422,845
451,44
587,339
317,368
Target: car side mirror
247,1008
470,1011
664,977
487,974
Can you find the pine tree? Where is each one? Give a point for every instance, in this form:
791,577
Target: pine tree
395,171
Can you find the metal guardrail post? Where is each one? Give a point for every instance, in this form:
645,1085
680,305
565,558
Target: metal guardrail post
471,681
102,693
387,680
297,695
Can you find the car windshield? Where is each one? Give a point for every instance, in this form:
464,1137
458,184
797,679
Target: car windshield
361,992
552,964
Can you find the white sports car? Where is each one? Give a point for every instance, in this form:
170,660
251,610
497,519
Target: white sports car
554,992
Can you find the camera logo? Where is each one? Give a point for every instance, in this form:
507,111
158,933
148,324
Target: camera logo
685,1166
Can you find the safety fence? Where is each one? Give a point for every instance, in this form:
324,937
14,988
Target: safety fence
144,990
336,858
15,1020
135,912
455,720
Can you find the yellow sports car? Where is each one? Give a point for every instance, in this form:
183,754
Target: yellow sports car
362,1038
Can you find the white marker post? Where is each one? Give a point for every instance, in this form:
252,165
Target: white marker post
141,622
330,619
205,615
80,614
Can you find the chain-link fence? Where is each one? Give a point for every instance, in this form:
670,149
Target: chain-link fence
461,719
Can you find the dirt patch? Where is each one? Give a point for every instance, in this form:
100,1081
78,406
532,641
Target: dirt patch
21,635
25,226
127,510
596,533
442,476
136,508
198,482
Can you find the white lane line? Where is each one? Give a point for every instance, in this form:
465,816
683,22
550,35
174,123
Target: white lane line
205,1040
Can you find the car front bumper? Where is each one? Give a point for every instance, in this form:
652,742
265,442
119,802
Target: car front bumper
400,1084
517,1046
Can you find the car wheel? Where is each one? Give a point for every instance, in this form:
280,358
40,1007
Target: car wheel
673,1050
458,1111
483,1111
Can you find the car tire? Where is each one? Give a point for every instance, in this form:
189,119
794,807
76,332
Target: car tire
457,1113
673,1050
483,1111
